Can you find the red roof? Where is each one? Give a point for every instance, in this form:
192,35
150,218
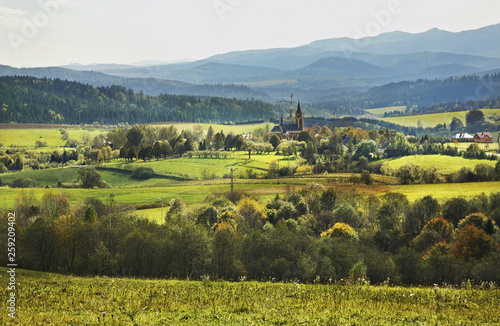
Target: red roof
482,135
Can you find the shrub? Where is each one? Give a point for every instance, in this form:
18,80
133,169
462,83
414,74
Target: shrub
23,183
142,173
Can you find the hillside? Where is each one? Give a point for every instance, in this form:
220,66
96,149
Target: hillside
148,83
33,100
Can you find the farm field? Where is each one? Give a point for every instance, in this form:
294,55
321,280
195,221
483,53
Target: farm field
444,164
194,192
489,147
236,129
118,174
431,120
26,137
45,298
381,111
198,168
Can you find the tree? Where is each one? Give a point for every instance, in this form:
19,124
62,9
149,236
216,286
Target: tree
455,210
422,211
456,124
132,153
117,137
497,170
177,208
474,116
90,178
366,148
473,243
275,141
135,135
305,136
366,177
18,164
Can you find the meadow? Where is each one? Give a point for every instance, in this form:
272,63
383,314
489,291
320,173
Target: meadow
444,164
26,137
431,120
44,298
381,111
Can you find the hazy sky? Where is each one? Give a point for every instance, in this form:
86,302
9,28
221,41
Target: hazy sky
57,32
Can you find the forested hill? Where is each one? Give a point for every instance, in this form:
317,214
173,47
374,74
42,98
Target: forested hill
421,93
35,100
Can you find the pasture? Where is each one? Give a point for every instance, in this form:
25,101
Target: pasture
44,298
26,137
444,164
381,111
227,129
431,120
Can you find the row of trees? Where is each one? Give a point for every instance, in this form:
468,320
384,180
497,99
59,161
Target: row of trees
316,234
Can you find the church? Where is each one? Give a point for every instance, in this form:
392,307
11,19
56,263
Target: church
290,131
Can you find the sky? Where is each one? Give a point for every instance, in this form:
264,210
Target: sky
37,33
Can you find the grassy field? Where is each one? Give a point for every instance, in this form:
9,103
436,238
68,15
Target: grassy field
381,111
27,137
236,129
44,298
444,164
118,174
191,192
486,147
431,120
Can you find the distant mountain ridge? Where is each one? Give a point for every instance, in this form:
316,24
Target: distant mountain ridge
318,71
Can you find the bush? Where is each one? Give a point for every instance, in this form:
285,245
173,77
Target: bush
40,143
23,183
143,173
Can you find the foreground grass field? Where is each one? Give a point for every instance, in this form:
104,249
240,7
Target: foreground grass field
444,164
431,120
44,298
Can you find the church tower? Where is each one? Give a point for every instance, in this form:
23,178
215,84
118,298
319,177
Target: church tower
299,119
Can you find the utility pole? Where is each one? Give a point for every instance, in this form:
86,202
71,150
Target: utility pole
278,171
232,187
161,198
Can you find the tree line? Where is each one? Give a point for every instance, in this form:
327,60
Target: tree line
314,235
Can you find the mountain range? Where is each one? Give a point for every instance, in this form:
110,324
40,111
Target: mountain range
316,72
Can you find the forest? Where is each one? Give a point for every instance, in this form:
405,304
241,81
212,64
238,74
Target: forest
33,100
427,94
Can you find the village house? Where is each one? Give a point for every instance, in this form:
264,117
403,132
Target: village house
463,137
483,137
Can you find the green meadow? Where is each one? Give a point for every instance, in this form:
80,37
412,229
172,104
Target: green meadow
381,111
26,137
444,164
431,120
44,298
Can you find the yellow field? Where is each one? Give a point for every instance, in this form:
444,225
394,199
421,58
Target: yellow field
28,137
444,164
486,147
431,120
236,129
